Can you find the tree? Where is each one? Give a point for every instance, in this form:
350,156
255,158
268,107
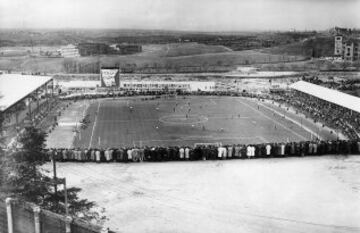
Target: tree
24,178
1,146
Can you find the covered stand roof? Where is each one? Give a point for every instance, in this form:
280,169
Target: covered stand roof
333,96
15,87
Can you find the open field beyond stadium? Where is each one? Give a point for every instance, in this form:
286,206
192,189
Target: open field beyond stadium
309,194
163,122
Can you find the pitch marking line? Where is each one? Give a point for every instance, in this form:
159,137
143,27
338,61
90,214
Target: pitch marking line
293,121
196,137
290,130
94,125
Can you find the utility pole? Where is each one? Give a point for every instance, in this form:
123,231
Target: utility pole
53,161
63,182
66,198
29,109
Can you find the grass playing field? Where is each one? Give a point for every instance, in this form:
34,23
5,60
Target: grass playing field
183,121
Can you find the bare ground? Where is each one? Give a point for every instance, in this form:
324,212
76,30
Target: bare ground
311,194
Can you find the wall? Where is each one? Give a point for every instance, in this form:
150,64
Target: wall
24,217
3,218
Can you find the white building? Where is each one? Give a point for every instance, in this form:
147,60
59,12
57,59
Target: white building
69,51
187,86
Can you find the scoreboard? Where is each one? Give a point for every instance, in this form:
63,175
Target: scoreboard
109,76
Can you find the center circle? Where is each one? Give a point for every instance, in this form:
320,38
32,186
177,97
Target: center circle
183,119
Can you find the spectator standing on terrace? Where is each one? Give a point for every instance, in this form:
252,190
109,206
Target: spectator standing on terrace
248,151
135,155
129,154
230,152
253,150
237,150
97,156
92,155
181,153
221,152
282,149
224,152
268,150
187,153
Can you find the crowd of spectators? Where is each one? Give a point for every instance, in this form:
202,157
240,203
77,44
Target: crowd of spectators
208,152
115,94
350,86
334,116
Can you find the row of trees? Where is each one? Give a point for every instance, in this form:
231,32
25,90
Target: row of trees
22,177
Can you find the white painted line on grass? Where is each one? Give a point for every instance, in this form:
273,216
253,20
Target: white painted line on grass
292,120
94,125
276,122
202,138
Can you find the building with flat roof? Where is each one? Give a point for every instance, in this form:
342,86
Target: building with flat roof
69,51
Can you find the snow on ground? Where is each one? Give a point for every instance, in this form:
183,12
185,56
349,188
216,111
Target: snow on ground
311,194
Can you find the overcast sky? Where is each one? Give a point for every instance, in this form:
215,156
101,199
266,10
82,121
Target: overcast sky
204,15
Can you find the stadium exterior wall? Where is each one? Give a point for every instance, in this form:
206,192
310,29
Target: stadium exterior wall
167,85
26,217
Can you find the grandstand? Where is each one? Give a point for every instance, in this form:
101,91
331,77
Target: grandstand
336,109
332,96
22,99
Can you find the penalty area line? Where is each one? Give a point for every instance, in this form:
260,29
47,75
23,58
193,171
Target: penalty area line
94,125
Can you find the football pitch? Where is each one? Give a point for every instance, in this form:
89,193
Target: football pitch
177,121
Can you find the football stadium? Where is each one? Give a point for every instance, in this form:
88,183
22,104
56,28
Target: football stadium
180,153
179,116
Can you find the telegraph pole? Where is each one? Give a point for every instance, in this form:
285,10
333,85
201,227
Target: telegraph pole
53,161
66,198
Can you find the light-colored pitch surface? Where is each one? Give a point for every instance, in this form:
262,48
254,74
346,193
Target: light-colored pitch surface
131,121
310,194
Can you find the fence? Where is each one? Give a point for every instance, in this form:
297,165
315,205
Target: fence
3,218
22,217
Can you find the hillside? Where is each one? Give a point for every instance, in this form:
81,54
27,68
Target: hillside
320,46
181,49
208,62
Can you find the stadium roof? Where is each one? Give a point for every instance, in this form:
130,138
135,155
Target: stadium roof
15,87
333,96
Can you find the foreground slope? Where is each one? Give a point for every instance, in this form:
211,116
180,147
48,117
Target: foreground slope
311,194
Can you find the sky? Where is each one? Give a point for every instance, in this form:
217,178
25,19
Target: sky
195,15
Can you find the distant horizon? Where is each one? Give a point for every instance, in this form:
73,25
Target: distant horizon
172,30
181,15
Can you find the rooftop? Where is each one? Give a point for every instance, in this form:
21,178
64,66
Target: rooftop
333,96
15,87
